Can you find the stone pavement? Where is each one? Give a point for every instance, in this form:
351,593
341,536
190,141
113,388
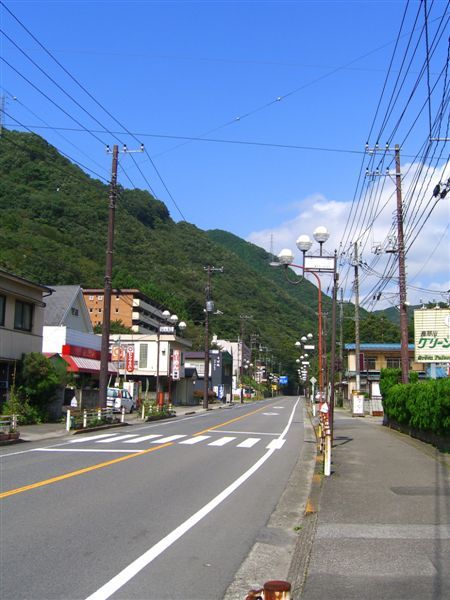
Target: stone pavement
381,527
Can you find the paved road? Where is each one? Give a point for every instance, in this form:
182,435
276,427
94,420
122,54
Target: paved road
160,510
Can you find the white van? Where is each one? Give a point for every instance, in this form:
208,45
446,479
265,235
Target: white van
117,398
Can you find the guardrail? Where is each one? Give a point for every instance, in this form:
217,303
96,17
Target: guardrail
8,423
81,419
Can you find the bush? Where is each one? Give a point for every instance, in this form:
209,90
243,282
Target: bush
422,405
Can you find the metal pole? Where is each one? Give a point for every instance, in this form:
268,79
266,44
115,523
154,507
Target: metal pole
401,272
206,374
158,340
357,346
333,345
103,379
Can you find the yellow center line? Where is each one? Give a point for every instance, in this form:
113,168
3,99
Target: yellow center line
114,461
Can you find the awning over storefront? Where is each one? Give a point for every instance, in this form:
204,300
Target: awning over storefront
78,364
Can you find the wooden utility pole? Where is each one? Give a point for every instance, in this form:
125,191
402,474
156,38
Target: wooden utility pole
103,380
357,342
209,307
401,272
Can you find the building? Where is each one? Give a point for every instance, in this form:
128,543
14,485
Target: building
373,358
155,357
220,372
241,355
68,333
131,306
22,304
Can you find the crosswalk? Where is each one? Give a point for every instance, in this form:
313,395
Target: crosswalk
117,440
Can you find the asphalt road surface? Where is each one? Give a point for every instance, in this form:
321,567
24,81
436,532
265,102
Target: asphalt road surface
158,510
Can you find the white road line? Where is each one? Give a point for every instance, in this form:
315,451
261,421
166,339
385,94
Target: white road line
117,439
249,443
143,438
90,438
275,444
149,556
195,440
247,432
222,441
170,438
275,407
94,450
270,414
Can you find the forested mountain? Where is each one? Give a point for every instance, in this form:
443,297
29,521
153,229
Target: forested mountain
53,226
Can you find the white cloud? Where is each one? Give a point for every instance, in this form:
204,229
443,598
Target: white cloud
428,256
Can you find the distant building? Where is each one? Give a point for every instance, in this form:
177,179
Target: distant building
241,355
373,358
22,304
131,306
220,372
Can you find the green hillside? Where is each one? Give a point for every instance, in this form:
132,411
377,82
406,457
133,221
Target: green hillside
53,225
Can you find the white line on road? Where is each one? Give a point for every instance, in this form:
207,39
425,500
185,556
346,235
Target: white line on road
96,450
91,438
247,432
144,438
270,414
222,441
170,438
117,439
149,556
275,444
249,443
195,440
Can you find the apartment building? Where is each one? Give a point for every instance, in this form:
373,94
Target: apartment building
131,306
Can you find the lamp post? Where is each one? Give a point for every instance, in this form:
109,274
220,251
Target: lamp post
315,264
172,320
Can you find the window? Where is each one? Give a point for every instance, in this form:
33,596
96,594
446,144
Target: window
371,363
2,309
117,310
91,309
74,311
23,316
99,297
393,363
143,352
91,297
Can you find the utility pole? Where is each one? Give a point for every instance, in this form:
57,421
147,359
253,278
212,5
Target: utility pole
333,343
401,272
241,346
341,346
104,355
357,343
103,380
209,307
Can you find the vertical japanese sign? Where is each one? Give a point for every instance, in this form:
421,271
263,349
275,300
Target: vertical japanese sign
432,335
176,363
130,359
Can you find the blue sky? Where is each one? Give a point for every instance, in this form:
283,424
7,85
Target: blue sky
183,69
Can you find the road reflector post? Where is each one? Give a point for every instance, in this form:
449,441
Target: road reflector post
68,420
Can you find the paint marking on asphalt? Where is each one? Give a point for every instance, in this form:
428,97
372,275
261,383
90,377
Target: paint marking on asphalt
114,461
117,582
275,444
249,443
195,440
93,450
248,432
91,438
170,438
119,438
64,476
143,438
222,441
270,414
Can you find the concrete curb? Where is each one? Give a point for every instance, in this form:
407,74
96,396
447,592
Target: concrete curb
289,532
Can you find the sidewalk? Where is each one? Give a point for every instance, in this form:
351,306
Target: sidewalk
44,431
382,529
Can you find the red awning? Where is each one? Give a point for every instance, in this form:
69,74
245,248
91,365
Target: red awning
77,364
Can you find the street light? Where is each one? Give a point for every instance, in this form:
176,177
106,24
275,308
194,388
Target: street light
173,320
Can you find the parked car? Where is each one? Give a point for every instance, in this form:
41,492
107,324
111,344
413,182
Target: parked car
117,398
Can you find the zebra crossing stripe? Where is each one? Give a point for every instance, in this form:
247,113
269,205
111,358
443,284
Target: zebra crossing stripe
249,443
170,438
117,439
275,444
143,438
91,438
195,440
222,441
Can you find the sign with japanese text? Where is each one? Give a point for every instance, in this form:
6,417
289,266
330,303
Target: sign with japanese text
129,362
117,353
176,363
432,335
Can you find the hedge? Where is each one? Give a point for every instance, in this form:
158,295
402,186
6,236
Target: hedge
423,406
